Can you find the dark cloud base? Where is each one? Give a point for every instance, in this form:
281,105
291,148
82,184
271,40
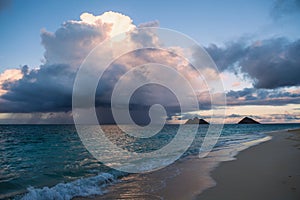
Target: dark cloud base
269,63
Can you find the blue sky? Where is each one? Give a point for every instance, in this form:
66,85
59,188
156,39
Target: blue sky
254,43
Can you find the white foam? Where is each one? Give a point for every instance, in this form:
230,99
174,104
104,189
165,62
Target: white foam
230,151
66,191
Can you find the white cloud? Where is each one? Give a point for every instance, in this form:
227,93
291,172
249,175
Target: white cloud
71,43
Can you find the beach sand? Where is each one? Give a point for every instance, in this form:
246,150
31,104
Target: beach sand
270,170
267,171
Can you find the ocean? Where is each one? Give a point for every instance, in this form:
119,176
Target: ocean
50,162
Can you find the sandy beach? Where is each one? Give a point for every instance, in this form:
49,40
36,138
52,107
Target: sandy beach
267,171
270,170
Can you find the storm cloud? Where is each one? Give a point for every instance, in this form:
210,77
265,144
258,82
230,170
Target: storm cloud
48,89
270,63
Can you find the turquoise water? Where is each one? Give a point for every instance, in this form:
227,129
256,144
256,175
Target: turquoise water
50,162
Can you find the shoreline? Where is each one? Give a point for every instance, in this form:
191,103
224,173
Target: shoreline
262,168
270,170
203,179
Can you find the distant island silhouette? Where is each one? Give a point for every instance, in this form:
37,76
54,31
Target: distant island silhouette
248,120
196,120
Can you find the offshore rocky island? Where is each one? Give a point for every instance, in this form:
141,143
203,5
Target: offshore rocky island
245,120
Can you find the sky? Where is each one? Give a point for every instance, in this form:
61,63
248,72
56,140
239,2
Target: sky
255,45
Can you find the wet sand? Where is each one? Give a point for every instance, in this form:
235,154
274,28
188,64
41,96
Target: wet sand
182,180
269,171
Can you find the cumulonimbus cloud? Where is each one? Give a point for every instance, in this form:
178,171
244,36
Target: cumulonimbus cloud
271,64
49,87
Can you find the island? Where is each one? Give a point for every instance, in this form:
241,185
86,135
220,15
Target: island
248,120
196,120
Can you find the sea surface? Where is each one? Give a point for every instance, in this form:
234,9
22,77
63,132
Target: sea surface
50,162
